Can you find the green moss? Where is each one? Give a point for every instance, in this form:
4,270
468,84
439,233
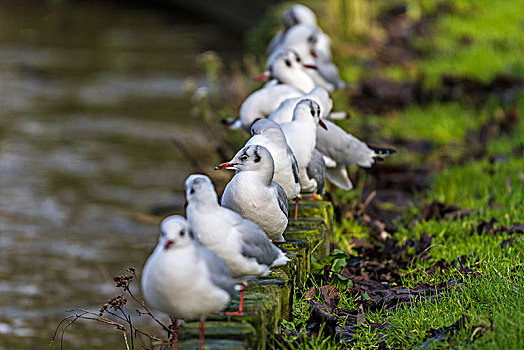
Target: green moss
314,209
299,251
241,331
279,286
218,344
313,230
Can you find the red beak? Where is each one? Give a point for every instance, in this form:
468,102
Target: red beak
168,244
262,77
186,204
310,66
322,124
225,165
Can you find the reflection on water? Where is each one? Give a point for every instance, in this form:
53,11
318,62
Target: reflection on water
90,95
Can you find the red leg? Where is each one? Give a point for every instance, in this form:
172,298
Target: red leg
174,339
240,311
201,339
296,208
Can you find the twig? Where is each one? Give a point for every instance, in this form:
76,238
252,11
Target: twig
368,200
141,302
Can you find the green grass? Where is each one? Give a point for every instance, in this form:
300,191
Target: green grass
480,39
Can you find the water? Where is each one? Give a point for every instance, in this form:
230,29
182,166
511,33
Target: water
90,95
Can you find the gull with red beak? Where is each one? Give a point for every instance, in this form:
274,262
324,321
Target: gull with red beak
286,79
253,194
183,279
239,242
301,137
269,134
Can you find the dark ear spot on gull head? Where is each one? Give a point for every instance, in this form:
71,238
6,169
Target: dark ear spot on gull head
257,156
297,57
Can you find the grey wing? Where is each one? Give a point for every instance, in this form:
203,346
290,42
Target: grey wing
316,169
255,244
294,168
218,271
343,148
281,197
329,72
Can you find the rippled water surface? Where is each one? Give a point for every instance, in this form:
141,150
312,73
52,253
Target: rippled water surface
90,95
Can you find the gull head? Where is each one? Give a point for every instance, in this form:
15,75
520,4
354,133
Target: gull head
298,14
262,126
200,189
288,67
174,233
308,108
250,158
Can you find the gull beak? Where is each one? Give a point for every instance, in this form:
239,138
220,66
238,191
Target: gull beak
322,124
225,165
262,77
168,244
310,66
186,204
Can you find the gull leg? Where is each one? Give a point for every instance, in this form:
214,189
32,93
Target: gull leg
201,339
240,311
296,208
174,339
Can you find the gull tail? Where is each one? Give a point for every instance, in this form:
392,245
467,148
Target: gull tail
338,115
381,153
282,259
234,123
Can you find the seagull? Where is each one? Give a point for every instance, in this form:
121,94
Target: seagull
262,102
288,67
295,15
304,39
253,194
301,137
183,279
239,242
269,134
341,149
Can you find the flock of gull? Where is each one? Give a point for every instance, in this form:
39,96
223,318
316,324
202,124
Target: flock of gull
294,147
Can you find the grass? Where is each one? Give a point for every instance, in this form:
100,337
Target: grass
479,40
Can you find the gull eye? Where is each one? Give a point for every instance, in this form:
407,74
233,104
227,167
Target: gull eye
162,234
243,157
288,63
182,233
192,191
